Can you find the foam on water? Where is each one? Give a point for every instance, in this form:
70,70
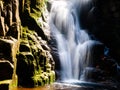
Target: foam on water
74,44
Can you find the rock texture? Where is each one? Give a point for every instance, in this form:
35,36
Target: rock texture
9,41
23,29
103,22
34,53
102,19
37,63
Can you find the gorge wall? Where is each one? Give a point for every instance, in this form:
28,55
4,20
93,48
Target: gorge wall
25,58
103,21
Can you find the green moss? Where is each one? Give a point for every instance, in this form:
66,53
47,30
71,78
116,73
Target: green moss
36,14
13,83
35,61
23,33
48,67
31,37
23,41
24,29
52,76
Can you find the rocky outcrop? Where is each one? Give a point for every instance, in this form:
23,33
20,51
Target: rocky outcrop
9,42
9,18
103,22
107,22
23,29
37,63
102,19
34,15
34,54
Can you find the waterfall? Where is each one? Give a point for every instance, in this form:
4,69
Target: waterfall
75,47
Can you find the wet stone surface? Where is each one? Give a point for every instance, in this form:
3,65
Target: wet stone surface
74,86
81,86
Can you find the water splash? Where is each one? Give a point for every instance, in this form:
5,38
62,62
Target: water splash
74,44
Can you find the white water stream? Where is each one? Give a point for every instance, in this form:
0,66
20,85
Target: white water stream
74,44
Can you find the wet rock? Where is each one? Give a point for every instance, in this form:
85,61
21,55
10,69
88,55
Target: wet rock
109,66
101,67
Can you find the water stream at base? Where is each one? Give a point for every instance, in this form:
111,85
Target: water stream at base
74,44
68,86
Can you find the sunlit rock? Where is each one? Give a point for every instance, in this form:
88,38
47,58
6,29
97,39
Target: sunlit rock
37,63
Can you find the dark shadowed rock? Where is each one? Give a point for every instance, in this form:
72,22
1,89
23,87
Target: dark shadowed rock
7,48
4,86
106,16
6,70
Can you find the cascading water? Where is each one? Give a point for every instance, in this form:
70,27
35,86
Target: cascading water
74,44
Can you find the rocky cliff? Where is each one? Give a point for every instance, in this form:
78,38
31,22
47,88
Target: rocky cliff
108,24
25,58
102,19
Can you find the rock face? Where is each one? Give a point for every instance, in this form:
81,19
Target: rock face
107,24
37,64
9,18
34,54
102,19
103,22
23,30
9,41
6,70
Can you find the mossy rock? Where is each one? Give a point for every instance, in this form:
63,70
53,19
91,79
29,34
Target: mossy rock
36,61
52,76
44,78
